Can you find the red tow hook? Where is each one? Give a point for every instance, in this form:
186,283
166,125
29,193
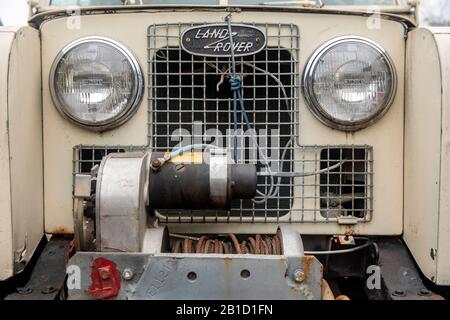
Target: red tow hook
105,279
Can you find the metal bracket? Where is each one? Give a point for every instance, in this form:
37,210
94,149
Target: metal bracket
400,280
204,276
47,278
154,275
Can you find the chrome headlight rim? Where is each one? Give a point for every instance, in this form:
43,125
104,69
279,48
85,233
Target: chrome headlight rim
127,112
314,105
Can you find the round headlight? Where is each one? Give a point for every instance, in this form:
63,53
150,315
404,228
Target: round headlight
96,83
349,83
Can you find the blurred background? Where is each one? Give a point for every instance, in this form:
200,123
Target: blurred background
433,12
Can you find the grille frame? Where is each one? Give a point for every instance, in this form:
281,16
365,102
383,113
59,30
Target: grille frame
282,50
305,196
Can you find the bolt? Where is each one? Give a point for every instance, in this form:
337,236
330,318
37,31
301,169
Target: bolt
24,291
424,292
399,293
127,274
188,39
258,39
156,163
48,290
299,276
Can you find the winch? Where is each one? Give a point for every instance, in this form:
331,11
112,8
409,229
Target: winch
112,205
199,181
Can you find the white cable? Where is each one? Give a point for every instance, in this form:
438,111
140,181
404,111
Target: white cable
304,174
314,253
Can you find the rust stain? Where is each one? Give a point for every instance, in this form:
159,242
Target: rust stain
283,265
349,230
437,297
60,230
228,263
307,263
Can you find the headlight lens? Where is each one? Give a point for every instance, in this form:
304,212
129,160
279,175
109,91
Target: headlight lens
96,83
349,83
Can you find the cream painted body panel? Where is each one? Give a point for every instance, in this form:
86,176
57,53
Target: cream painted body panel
443,249
21,167
427,154
6,254
422,148
130,29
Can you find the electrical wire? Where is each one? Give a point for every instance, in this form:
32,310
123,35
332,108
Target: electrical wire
270,74
180,151
304,174
343,251
235,84
188,148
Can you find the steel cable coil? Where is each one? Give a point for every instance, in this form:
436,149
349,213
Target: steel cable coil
230,244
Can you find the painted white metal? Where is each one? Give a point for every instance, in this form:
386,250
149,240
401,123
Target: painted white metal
21,167
6,254
386,136
427,154
443,250
121,217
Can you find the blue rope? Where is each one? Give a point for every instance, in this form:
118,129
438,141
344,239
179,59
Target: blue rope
237,97
236,89
235,84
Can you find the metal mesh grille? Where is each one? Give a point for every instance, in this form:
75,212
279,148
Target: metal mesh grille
190,101
343,194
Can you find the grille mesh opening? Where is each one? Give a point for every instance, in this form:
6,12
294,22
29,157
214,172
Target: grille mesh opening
343,190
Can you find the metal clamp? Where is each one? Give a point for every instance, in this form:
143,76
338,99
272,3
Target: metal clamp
219,172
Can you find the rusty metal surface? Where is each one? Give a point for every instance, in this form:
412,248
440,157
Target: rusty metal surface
224,267
47,278
205,276
255,244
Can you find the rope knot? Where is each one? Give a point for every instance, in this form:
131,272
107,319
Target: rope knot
235,84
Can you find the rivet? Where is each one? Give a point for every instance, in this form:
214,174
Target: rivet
127,274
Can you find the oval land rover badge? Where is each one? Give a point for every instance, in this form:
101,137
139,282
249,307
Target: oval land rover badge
213,40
